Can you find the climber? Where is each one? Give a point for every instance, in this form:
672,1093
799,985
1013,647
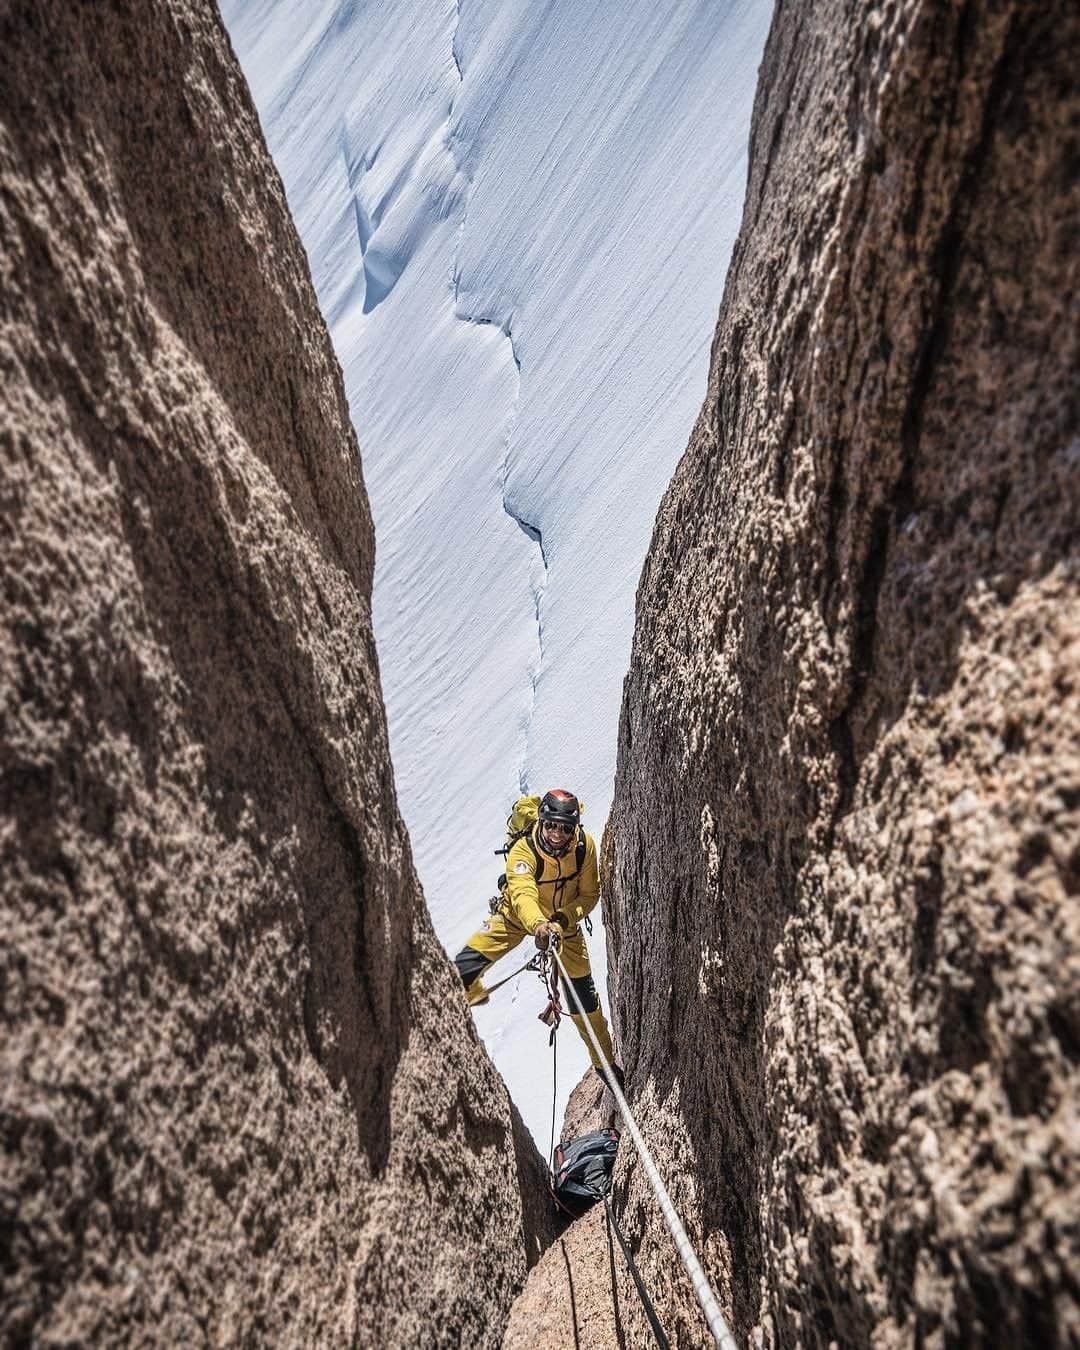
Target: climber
551,884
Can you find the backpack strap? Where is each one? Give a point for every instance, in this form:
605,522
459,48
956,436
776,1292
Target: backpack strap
579,860
533,850
527,835
511,840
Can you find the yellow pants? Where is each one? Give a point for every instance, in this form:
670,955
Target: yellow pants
500,935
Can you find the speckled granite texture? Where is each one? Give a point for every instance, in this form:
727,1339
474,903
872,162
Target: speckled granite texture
242,1099
842,869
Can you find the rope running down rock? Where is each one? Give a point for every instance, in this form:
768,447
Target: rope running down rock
702,1289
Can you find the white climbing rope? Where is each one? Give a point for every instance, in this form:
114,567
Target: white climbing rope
705,1296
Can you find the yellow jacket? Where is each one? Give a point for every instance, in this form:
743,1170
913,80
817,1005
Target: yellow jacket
534,903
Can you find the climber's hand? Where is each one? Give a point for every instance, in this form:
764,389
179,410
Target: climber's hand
545,934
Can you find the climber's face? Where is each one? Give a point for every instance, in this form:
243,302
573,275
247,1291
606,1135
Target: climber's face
555,835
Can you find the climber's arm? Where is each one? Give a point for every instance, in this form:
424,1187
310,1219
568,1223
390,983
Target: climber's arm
521,887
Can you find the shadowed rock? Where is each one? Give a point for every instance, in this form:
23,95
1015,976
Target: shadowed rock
243,1099
842,868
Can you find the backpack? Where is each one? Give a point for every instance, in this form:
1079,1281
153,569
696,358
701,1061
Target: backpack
581,1171
523,816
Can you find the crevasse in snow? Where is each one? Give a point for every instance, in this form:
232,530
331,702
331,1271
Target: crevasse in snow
518,216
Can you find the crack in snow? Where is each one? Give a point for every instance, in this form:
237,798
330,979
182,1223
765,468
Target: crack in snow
453,42
380,274
534,671
538,587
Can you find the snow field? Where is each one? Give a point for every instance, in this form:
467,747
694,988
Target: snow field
518,217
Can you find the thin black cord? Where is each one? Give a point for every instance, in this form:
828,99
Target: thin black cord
646,1302
619,1333
554,1093
550,977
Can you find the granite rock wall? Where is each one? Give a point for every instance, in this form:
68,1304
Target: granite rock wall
242,1100
842,868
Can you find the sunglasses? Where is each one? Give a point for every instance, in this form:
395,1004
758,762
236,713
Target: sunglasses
557,827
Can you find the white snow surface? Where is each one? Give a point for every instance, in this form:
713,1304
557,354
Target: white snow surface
518,215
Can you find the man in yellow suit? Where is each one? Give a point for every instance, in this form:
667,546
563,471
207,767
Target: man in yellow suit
551,884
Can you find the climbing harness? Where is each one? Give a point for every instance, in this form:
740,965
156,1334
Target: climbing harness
702,1289
538,964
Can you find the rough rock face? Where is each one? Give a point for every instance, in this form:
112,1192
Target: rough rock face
580,1293
848,974
575,1295
588,1107
242,1098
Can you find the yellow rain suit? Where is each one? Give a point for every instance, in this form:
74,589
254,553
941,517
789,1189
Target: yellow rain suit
563,894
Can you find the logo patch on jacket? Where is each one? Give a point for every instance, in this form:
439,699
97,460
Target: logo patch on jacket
521,868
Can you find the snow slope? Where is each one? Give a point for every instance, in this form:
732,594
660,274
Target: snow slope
518,218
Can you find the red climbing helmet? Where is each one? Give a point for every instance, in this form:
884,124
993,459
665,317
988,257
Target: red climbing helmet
560,815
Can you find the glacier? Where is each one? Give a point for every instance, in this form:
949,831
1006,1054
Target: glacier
518,217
